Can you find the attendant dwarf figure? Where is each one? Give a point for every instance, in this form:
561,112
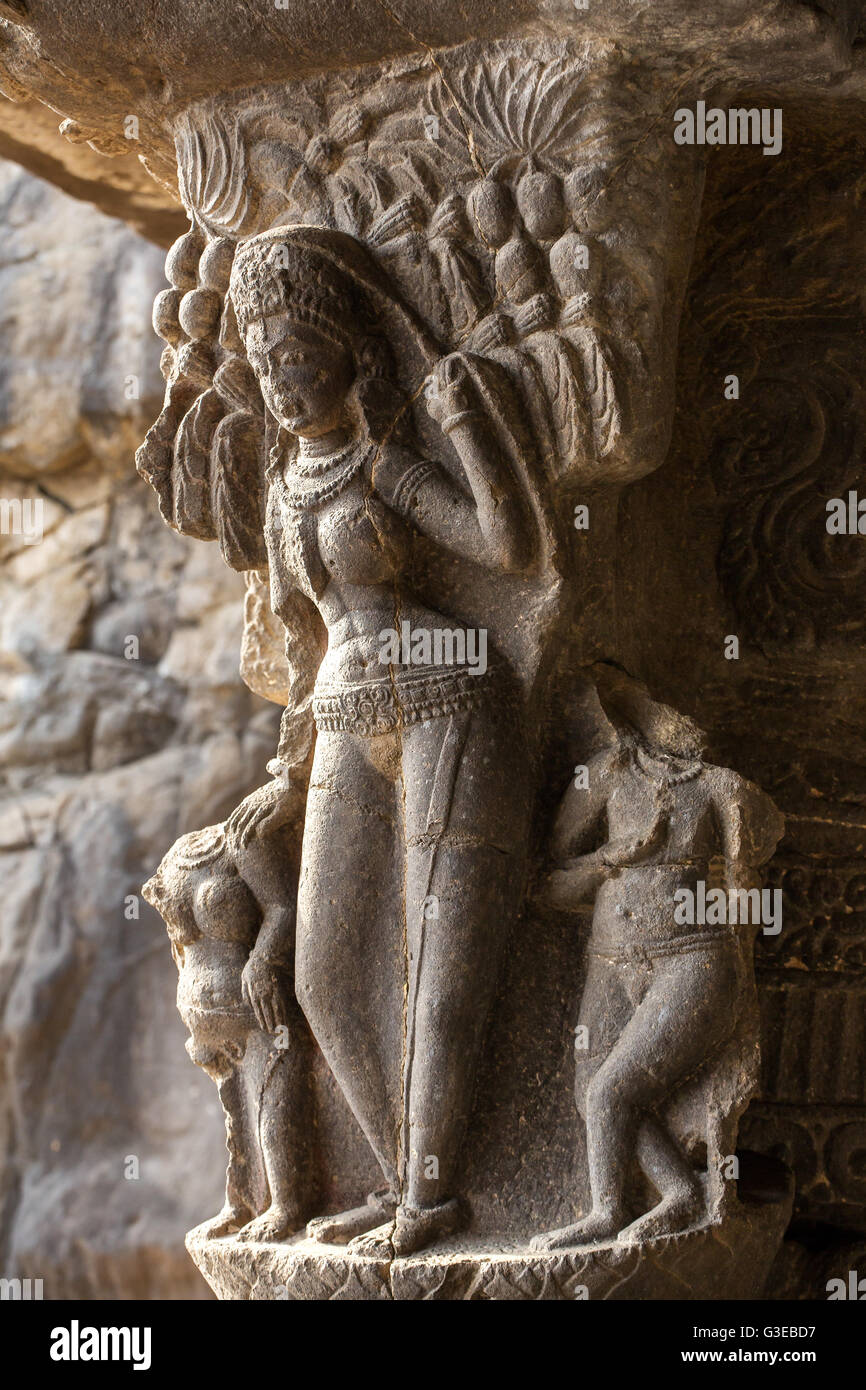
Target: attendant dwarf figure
667,1046
227,896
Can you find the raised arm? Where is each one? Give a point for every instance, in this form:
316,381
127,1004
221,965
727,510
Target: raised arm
493,522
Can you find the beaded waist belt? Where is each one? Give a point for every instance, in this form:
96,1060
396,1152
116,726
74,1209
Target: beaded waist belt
376,707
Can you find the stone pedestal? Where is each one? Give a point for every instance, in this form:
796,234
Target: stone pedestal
728,1260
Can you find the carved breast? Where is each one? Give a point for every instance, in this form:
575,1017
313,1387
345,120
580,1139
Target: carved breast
350,547
225,910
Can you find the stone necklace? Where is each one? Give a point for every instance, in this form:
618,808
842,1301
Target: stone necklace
665,776
309,482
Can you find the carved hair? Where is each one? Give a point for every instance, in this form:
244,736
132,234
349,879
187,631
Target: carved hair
200,847
280,277
283,273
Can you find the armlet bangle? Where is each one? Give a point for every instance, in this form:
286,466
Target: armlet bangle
452,421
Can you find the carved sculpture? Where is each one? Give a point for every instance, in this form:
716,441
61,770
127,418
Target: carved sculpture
226,896
410,769
667,1049
420,334
423,311
384,377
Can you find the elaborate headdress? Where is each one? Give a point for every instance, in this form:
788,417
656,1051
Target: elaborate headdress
276,276
327,279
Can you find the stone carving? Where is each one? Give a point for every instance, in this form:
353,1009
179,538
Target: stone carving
410,765
506,245
666,1051
507,224
782,489
226,896
713,1262
416,310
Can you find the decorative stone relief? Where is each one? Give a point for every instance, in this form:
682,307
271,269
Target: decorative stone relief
423,315
666,1045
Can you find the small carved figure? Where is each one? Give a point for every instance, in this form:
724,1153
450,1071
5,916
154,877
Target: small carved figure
227,896
667,1016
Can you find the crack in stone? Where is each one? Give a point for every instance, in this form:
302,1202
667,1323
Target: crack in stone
431,53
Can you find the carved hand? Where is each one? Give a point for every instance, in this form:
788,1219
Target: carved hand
635,849
575,883
447,392
260,814
265,988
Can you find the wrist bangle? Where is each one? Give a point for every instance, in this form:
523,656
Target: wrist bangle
452,421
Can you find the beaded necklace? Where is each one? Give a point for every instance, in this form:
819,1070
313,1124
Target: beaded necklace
309,482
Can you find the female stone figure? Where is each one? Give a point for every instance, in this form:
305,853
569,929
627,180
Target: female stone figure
668,1005
416,813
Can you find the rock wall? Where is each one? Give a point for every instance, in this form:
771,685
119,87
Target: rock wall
123,723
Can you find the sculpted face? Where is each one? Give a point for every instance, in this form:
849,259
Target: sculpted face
304,376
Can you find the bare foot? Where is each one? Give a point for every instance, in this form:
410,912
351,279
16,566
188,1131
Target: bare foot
227,1223
674,1213
342,1228
377,1244
417,1227
277,1223
595,1229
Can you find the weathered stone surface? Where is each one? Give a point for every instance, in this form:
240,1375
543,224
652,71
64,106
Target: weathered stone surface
421,334
32,136
730,1260
385,381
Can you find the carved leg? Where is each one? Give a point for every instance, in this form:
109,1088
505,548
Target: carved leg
378,1211
605,1010
682,1197
682,1019
349,977
465,842
285,1134
237,1209
682,1016
456,956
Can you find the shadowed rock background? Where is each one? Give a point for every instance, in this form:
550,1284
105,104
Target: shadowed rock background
104,761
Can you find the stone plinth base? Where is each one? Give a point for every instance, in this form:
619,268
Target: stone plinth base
727,1261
